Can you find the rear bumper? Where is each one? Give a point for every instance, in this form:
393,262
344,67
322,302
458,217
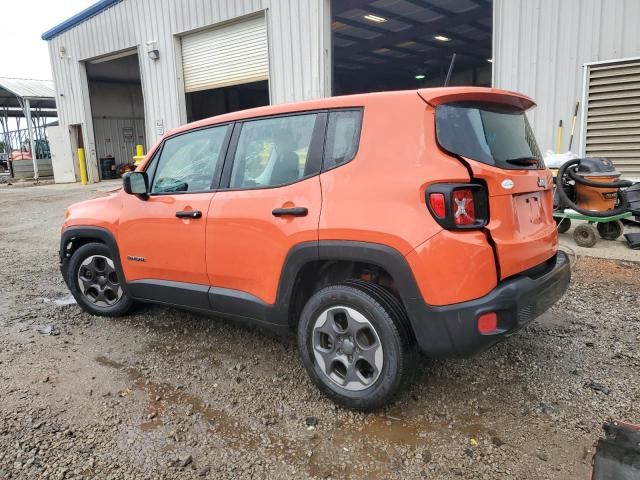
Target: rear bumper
451,330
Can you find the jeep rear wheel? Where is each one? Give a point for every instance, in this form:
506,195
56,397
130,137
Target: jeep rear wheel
356,345
94,282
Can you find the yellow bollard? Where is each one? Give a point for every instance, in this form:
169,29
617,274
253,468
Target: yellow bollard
139,155
559,146
83,167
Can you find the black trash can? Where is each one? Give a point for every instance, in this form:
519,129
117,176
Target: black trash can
108,169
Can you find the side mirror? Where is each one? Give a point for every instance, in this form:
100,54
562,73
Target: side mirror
136,183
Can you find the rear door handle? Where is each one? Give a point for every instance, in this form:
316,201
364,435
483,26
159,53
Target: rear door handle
293,212
189,214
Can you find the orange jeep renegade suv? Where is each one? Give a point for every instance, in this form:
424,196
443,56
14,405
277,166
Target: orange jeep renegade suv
376,225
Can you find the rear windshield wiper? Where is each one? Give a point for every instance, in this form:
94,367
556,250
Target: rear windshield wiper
524,161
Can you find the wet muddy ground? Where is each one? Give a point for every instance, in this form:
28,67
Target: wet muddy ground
168,394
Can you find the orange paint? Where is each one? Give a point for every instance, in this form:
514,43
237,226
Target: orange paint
377,197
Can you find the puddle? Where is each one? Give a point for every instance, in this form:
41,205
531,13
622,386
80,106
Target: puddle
64,301
383,429
375,443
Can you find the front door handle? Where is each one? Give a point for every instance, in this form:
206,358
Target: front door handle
189,214
293,212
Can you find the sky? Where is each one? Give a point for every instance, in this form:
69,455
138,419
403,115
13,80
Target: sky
23,54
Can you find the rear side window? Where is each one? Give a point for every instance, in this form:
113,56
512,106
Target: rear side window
489,133
343,137
274,151
187,162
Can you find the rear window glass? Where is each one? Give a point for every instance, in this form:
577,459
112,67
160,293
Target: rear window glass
343,136
492,134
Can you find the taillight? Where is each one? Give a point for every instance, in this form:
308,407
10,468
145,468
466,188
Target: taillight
436,201
464,212
458,206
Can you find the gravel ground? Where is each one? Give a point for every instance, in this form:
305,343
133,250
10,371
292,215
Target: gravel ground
168,394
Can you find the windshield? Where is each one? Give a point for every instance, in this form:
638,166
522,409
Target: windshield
489,133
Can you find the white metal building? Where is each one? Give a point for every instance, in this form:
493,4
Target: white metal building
126,71
561,52
283,41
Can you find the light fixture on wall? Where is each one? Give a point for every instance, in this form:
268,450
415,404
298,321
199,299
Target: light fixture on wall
152,50
441,38
63,52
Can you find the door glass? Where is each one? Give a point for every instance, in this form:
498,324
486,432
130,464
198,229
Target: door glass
188,162
274,151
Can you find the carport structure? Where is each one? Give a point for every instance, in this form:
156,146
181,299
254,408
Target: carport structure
33,100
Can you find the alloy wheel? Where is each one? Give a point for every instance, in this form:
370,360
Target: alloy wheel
347,348
98,281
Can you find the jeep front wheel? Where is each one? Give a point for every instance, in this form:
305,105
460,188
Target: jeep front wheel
356,345
94,282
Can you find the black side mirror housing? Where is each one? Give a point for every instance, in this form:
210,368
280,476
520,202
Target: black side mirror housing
136,183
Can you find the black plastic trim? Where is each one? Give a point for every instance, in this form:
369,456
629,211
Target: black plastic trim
97,233
451,330
381,255
190,295
227,301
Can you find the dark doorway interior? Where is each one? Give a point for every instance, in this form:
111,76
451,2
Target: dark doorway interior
208,103
117,106
405,44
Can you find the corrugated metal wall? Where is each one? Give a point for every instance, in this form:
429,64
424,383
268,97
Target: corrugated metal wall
298,48
613,115
541,46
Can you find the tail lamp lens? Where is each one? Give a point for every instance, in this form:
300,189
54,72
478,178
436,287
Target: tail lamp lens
464,212
458,206
436,200
487,323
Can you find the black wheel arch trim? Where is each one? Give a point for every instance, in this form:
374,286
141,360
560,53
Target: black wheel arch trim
340,250
102,235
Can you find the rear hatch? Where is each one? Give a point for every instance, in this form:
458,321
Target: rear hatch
488,130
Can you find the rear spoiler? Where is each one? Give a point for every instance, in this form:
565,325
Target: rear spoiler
438,96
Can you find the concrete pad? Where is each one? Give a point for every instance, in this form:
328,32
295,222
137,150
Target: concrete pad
609,249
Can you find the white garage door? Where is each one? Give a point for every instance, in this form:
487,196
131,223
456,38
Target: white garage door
613,115
227,55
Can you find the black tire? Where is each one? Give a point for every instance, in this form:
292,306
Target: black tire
387,317
563,224
610,230
117,304
585,235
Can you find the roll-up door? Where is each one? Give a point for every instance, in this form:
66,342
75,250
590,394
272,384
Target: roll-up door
230,54
613,115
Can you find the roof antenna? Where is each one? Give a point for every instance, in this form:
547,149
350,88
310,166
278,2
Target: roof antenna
453,61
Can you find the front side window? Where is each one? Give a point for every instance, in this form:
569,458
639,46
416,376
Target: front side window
343,136
489,133
188,162
274,151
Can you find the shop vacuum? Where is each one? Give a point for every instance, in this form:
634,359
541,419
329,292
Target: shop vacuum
592,187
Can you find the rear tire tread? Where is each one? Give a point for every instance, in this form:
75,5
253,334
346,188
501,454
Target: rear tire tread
397,321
